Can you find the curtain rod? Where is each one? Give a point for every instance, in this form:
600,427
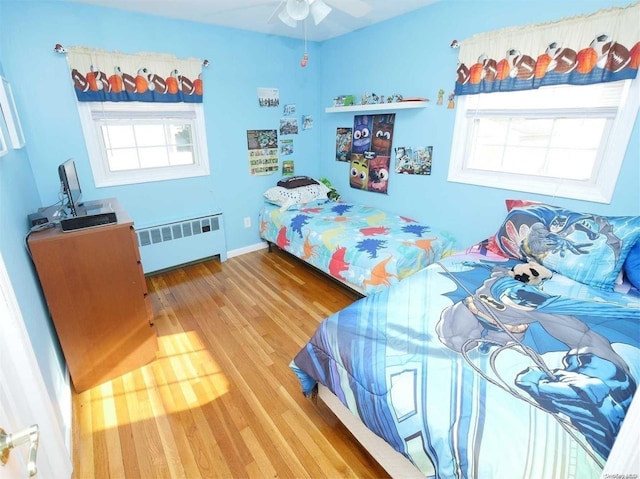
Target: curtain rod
62,50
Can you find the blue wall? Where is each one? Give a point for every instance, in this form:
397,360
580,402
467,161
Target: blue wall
411,55
408,55
18,197
239,63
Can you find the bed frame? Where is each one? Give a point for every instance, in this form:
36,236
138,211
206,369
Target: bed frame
397,465
359,291
624,460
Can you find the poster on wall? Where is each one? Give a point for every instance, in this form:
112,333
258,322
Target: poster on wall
287,168
263,151
410,161
370,160
268,97
288,126
286,146
343,144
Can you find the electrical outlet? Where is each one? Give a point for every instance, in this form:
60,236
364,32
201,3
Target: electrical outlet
247,222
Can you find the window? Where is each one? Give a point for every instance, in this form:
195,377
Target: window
135,142
565,140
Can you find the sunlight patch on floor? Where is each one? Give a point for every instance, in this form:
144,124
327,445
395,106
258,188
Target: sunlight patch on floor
183,376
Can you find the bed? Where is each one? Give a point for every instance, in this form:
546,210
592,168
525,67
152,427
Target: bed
518,357
365,248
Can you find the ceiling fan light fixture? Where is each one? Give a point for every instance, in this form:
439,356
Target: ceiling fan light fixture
286,19
319,10
297,9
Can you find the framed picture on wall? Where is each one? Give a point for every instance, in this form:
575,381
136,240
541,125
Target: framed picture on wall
10,113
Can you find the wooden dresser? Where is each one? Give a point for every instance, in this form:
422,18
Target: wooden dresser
97,295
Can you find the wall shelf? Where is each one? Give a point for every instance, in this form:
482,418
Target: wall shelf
399,105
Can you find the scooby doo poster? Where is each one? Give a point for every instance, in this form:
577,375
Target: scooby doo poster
371,152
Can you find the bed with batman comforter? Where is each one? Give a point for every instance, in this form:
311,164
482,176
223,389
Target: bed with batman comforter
516,358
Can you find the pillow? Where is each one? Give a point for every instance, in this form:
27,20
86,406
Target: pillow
296,182
285,198
588,248
632,266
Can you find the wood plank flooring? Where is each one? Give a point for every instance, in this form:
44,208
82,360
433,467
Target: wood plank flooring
220,400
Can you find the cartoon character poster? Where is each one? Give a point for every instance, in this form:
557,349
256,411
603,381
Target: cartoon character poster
362,125
378,173
382,134
410,161
371,152
343,144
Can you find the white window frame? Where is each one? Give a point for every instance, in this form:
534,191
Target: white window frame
103,176
599,188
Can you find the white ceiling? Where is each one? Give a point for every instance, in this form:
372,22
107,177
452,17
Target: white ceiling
254,15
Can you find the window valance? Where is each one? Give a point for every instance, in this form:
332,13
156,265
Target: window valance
99,75
600,47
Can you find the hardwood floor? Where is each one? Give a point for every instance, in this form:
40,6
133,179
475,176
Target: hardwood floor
220,399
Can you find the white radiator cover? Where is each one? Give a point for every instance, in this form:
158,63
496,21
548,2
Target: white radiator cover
179,242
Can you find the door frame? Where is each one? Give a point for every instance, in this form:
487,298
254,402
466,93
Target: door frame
24,399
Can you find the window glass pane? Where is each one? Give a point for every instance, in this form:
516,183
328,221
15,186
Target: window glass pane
123,159
488,158
522,160
572,164
491,131
180,135
527,132
118,136
154,157
150,135
560,148
578,132
181,155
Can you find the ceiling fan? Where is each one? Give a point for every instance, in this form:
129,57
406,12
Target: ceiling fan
291,11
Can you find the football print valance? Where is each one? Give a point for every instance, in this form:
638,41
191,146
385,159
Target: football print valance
99,75
596,48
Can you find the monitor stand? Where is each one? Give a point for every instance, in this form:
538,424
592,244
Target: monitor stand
93,207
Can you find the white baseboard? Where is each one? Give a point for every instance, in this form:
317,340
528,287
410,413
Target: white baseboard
246,249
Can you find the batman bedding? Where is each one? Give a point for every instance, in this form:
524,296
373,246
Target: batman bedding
516,358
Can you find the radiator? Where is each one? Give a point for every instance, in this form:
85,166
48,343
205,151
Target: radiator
180,242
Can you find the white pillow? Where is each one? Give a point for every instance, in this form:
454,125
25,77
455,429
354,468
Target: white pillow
286,198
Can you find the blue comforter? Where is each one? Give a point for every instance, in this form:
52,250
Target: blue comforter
471,373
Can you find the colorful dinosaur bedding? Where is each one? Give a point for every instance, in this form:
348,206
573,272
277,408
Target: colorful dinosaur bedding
364,247
471,370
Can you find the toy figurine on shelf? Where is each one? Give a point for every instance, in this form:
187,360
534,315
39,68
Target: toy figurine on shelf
452,104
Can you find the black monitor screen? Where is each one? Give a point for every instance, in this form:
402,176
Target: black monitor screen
70,184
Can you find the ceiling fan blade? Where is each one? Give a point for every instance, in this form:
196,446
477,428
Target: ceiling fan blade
355,8
274,16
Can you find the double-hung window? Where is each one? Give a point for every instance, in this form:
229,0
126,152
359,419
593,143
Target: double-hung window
564,140
137,142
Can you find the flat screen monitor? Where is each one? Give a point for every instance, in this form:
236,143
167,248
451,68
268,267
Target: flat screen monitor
70,185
